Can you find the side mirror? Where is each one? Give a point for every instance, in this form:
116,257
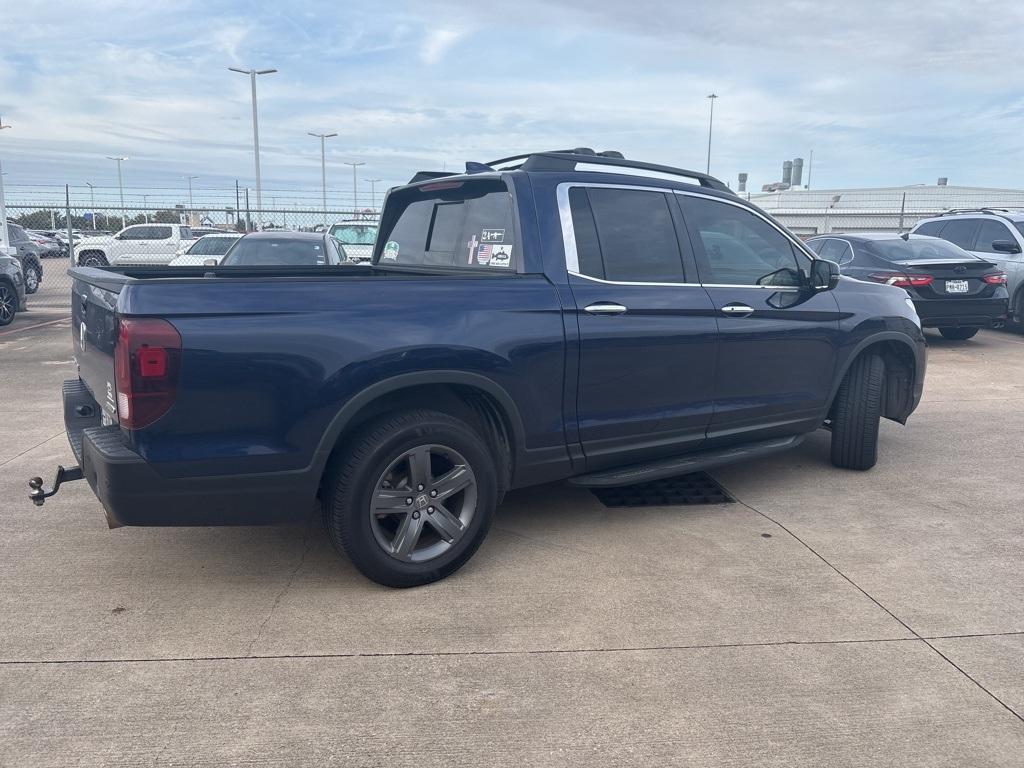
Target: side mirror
1005,246
824,275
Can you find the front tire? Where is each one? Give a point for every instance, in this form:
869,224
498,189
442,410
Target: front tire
958,334
92,259
32,278
8,304
856,414
413,498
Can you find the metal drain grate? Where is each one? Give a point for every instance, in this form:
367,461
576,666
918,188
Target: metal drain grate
696,488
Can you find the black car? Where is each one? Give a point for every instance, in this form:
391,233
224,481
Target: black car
283,248
952,290
28,255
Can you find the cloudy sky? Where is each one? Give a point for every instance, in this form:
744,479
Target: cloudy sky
885,93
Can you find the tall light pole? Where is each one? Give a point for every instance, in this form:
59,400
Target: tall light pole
373,192
3,206
711,120
120,184
255,130
92,202
145,208
323,166
190,178
355,189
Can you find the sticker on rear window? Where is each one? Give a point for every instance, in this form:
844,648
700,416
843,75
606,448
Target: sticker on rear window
501,256
390,251
493,236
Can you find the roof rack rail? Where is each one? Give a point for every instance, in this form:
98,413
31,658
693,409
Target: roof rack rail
992,211
566,160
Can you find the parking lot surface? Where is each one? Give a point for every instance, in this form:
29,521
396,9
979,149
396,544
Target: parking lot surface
826,618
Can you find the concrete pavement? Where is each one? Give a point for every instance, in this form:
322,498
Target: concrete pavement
831,618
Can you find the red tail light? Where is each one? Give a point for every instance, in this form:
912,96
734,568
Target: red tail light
146,362
999,278
900,280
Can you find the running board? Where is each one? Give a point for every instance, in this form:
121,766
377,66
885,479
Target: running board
684,465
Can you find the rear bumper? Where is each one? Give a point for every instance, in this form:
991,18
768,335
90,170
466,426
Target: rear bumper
134,493
957,313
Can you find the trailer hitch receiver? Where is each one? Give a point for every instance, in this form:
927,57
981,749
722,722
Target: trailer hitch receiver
39,495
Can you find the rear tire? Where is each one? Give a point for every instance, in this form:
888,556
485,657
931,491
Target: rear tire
958,334
32,279
856,414
378,465
92,259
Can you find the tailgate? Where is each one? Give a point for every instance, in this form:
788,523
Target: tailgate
94,331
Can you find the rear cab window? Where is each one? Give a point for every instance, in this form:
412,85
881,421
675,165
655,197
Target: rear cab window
455,224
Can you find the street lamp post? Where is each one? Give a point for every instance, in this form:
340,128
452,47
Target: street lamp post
120,184
373,192
255,130
711,119
323,166
190,178
145,208
92,202
355,190
3,206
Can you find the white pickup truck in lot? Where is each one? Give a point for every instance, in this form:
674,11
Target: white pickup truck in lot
137,244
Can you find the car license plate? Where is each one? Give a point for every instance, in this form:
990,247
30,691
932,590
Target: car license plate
956,286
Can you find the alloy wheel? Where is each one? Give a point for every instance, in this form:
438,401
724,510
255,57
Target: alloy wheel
8,305
423,503
31,280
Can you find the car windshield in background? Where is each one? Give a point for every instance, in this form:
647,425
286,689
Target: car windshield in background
899,249
265,251
354,234
211,246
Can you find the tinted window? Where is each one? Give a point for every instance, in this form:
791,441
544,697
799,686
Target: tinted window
961,232
465,224
929,228
162,233
837,251
285,251
15,232
815,245
991,230
916,248
135,233
354,234
636,234
211,246
736,247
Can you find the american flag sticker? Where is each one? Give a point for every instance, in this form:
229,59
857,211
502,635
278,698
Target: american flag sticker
483,254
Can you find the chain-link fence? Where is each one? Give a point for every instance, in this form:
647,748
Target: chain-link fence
898,209
50,238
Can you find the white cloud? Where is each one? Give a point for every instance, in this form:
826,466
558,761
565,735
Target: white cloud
438,42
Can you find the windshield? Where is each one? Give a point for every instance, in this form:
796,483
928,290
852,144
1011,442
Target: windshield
921,247
211,246
354,234
256,251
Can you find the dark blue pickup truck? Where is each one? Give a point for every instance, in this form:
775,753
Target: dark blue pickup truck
556,315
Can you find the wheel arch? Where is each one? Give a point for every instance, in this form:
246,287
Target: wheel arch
902,369
460,393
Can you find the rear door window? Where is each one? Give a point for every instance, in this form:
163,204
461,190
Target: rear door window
465,224
930,228
989,231
961,232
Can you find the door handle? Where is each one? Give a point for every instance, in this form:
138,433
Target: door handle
605,308
737,310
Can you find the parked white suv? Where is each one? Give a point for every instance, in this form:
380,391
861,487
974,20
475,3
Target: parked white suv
992,234
137,244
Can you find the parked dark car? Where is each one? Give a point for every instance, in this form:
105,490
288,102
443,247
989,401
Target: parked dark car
49,246
524,322
28,255
12,288
284,248
952,290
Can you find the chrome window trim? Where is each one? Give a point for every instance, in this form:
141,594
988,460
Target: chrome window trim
853,251
572,262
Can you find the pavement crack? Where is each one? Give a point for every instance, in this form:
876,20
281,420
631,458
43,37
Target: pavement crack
284,590
870,597
29,450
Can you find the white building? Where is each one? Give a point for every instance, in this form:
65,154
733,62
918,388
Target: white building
811,212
